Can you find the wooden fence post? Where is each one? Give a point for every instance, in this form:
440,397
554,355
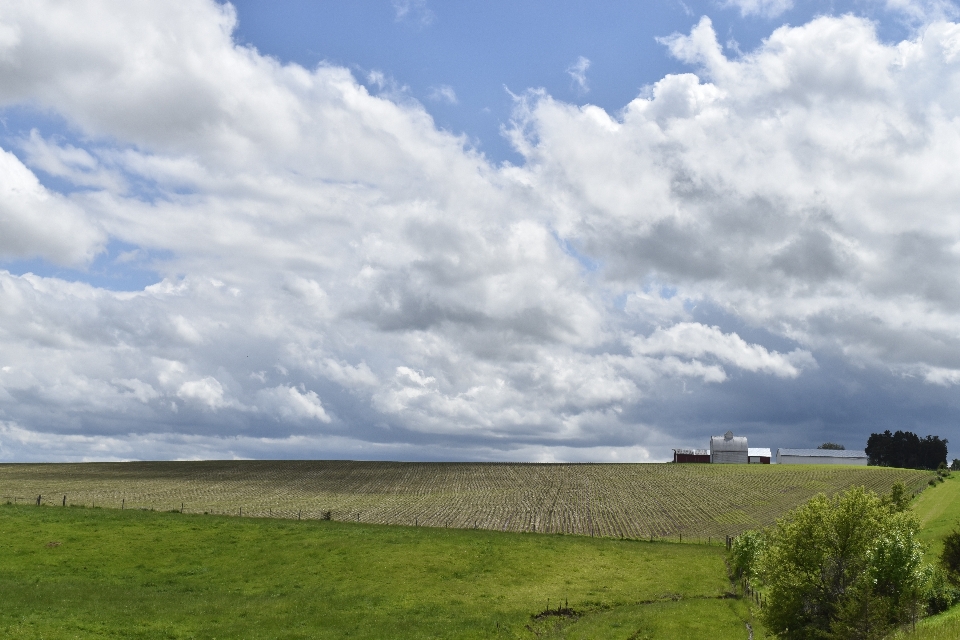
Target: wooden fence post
64,500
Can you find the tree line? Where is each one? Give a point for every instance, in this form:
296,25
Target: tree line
906,450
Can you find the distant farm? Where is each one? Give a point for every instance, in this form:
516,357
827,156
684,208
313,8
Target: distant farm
608,500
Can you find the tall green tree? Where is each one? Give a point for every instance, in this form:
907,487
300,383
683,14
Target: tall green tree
906,449
846,567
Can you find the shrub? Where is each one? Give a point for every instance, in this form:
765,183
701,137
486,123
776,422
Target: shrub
942,592
843,567
950,556
745,552
898,500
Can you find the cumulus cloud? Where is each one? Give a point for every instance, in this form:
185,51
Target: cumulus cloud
291,403
207,391
694,340
341,275
35,222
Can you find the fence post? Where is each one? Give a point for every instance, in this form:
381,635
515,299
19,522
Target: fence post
298,514
64,500
122,503
38,499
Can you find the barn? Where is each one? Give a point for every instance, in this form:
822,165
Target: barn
729,448
757,455
691,455
821,456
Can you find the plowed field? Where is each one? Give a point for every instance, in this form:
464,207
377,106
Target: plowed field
695,501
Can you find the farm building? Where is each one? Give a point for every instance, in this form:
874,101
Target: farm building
756,455
821,456
691,455
729,448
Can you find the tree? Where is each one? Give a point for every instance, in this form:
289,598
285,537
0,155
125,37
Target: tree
745,553
906,450
843,567
955,465
898,500
832,445
950,556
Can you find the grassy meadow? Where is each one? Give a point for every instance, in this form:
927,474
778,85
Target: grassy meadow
939,511
106,573
492,555
667,501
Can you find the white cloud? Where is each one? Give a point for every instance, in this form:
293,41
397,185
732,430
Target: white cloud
941,376
443,93
694,340
764,8
416,10
578,73
332,258
290,403
207,391
36,222
67,161
921,12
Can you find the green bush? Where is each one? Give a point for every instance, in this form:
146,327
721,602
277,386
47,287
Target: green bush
843,567
950,556
898,500
941,593
745,553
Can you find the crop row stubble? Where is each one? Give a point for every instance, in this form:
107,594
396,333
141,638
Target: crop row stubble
618,500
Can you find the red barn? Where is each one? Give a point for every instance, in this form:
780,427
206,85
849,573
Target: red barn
691,455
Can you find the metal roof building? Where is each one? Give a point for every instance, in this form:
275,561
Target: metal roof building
728,449
757,455
821,456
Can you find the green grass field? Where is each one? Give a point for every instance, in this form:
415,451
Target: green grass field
697,501
102,573
87,572
939,511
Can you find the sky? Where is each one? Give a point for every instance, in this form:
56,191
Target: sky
524,231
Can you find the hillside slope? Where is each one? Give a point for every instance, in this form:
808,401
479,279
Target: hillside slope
696,501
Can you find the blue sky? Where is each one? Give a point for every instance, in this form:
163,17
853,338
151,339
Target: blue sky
485,51
502,231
